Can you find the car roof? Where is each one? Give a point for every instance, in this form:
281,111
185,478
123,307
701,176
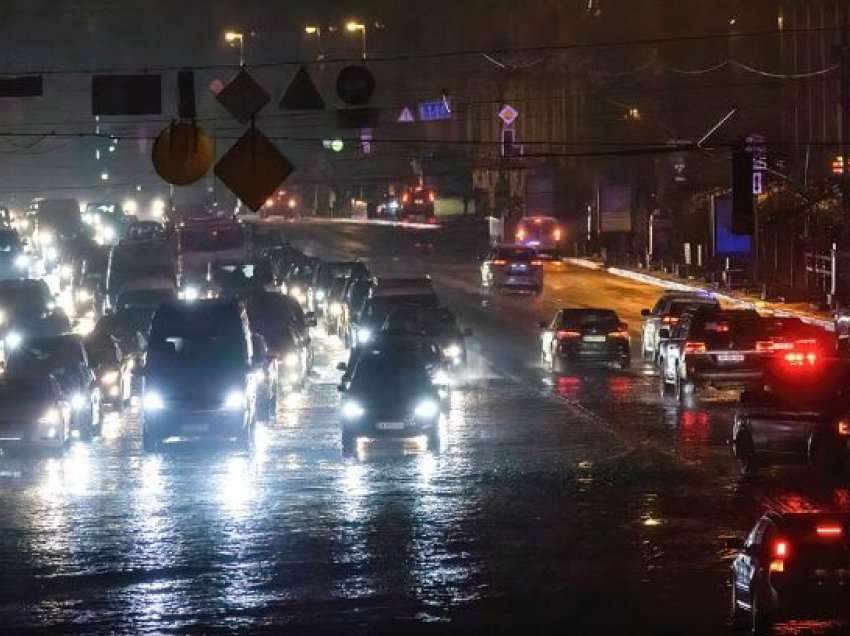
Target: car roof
797,521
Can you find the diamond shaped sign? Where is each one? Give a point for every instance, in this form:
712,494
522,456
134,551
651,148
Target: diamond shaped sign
508,114
253,169
243,97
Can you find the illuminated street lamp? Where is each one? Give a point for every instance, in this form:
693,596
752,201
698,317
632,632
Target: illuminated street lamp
353,27
232,37
317,31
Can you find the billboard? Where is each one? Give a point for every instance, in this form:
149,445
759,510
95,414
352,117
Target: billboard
615,208
726,243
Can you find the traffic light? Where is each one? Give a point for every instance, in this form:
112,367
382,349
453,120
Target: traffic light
743,212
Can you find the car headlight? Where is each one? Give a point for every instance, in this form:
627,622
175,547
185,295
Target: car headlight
51,253
45,238
351,410
291,360
363,335
153,401
22,261
51,417
426,409
109,378
66,272
78,401
83,295
234,400
453,351
320,295
441,378
190,293
13,339
108,233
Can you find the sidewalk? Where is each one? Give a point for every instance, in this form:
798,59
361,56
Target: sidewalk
738,299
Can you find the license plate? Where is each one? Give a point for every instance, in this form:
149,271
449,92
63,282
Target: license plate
593,339
419,201
519,268
730,357
390,426
196,428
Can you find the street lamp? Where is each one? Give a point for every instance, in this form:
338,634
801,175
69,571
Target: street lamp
231,37
352,27
317,31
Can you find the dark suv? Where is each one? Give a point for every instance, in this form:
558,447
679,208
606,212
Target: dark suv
199,375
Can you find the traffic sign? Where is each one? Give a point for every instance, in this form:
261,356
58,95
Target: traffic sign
126,94
355,85
243,97
508,114
406,116
253,169
182,154
302,93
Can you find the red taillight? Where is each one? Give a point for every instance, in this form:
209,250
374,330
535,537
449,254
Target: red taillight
431,197
829,531
670,320
763,346
695,347
781,549
843,427
566,334
433,220
520,234
405,197
556,235
499,261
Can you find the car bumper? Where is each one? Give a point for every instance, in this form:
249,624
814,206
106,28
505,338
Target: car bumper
181,422
726,379
605,352
518,281
390,427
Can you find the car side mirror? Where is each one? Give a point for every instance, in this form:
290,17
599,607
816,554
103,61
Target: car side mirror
664,333
311,319
342,367
467,333
644,312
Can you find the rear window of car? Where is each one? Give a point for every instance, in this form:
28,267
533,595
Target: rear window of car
514,254
677,307
725,330
196,322
582,318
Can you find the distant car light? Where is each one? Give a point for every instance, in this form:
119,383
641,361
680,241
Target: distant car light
83,296
453,351
51,417
51,253
351,410
441,378
363,335
22,261
109,378
291,360
13,339
426,409
78,401
234,400
66,272
153,401
320,294
108,233
292,203
191,293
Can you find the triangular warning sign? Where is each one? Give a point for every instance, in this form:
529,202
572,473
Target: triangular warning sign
302,93
406,116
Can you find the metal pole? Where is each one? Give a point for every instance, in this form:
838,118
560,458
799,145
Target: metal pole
845,112
833,285
242,50
363,30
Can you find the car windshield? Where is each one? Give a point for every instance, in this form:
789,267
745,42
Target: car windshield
387,375
514,254
191,350
432,322
143,299
589,318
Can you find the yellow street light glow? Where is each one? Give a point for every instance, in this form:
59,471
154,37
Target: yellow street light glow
233,36
311,30
355,26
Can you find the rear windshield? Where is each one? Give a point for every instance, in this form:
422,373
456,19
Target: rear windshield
584,318
676,308
515,254
739,331
196,322
37,355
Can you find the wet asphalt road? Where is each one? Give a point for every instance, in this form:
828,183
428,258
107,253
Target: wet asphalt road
585,502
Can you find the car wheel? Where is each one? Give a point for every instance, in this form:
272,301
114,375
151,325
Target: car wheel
738,616
744,450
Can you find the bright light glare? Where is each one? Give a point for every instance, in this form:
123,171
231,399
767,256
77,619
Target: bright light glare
157,208
351,410
191,293
355,26
108,233
363,335
153,401
66,272
426,409
320,294
234,400
109,378
311,30
441,378
453,351
78,401
291,360
21,261
232,36
13,339
51,417
130,206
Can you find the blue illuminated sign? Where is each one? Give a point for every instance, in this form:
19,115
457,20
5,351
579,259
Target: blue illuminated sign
435,111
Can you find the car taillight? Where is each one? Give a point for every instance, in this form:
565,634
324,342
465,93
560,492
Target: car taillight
499,261
405,197
622,331
695,347
843,427
556,234
829,531
520,234
567,334
670,320
763,346
781,549
431,197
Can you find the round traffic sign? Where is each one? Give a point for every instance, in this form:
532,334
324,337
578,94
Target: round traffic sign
182,153
355,85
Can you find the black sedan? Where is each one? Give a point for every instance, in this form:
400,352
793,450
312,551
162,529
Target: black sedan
391,395
792,566
585,335
33,414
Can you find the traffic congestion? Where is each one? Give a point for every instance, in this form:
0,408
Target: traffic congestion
202,331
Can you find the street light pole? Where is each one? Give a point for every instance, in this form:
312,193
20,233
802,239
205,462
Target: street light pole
357,26
317,31
232,37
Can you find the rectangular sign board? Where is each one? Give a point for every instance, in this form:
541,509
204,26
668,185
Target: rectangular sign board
615,208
